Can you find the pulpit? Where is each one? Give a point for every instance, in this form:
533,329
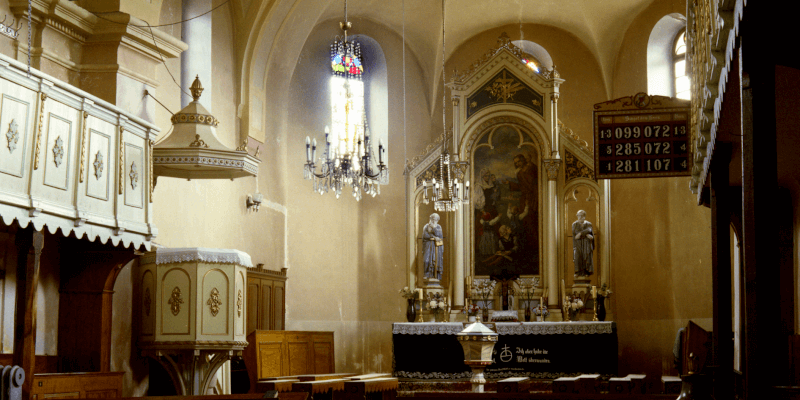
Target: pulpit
191,306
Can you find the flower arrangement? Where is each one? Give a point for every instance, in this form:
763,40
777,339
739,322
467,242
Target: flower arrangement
436,304
541,311
574,304
407,293
483,290
527,289
471,310
604,290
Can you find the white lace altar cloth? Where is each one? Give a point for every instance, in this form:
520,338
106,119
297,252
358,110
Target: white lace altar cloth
508,328
165,255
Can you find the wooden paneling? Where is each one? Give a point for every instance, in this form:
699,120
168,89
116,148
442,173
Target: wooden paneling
266,295
283,353
89,385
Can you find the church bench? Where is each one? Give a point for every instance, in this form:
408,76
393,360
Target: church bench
280,385
369,376
322,389
514,385
671,384
324,377
628,384
378,388
534,396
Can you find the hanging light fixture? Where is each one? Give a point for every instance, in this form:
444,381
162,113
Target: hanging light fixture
449,188
348,159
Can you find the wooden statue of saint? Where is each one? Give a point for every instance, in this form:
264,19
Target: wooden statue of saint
582,245
433,243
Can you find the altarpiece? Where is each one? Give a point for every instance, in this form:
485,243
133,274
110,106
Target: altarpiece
529,175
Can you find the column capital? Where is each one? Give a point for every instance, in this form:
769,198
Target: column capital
554,97
552,166
456,100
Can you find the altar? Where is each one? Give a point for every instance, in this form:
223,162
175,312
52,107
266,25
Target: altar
542,350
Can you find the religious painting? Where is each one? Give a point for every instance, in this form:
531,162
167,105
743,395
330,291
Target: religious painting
505,201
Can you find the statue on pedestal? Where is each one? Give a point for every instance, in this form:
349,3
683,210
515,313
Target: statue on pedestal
433,242
582,245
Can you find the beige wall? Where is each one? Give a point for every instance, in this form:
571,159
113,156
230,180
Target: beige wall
661,247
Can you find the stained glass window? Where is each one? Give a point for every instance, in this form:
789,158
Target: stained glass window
348,120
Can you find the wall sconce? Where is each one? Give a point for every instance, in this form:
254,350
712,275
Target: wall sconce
254,201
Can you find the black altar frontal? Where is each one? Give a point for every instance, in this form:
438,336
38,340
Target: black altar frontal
542,350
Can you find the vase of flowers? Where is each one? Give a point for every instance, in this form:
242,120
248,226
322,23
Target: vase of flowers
483,290
527,288
541,312
472,311
411,310
601,301
574,305
437,305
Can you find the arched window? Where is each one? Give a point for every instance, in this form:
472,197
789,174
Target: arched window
682,84
663,60
358,95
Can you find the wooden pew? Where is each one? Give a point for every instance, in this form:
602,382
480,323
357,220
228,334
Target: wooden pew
514,385
377,389
321,389
324,377
628,384
280,385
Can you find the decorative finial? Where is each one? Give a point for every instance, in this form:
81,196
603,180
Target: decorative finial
197,88
345,25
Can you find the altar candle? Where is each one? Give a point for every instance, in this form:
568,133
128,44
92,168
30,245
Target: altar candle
594,292
541,302
420,293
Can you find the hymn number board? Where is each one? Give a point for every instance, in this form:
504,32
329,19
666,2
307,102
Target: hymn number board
642,136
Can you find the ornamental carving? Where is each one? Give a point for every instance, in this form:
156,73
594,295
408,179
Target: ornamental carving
147,302
239,303
83,145
175,301
504,88
12,135
58,152
574,168
198,142
214,302
134,175
43,96
552,167
98,165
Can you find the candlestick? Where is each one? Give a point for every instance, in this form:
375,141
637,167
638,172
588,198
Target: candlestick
594,292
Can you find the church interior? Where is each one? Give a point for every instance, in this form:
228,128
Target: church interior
196,194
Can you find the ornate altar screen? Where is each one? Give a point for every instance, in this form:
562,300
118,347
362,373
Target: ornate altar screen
518,219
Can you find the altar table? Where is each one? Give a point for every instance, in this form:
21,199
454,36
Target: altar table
543,350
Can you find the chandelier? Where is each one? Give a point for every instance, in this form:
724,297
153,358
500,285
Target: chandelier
348,159
448,184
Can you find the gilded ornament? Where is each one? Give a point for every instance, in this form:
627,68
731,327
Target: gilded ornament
43,96
83,146
239,302
214,302
147,302
198,142
504,89
98,165
12,135
243,147
552,166
134,175
196,88
536,102
58,151
121,160
150,162
175,301
574,168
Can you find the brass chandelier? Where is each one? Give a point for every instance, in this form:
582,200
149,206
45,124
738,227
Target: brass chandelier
348,159
449,188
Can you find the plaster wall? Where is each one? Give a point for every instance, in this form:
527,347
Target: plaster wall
661,247
346,258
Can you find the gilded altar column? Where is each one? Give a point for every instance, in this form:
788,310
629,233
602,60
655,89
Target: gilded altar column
552,167
458,266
